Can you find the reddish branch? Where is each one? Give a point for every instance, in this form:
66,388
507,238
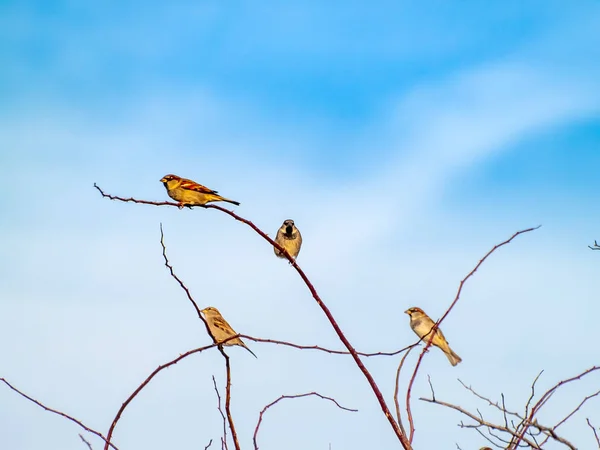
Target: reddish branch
144,384
397,388
528,430
384,407
181,283
529,421
437,324
224,438
260,416
322,349
62,414
228,400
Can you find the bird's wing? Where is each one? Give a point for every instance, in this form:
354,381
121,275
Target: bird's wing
222,324
193,186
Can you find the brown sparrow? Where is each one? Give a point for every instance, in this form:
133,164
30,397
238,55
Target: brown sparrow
220,329
289,237
421,324
190,193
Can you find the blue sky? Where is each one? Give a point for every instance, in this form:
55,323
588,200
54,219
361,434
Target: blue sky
404,140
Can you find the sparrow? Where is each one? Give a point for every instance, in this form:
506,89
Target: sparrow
190,193
289,237
220,329
421,324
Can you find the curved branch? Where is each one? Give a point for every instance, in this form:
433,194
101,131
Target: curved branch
59,413
323,349
374,387
260,416
144,384
456,298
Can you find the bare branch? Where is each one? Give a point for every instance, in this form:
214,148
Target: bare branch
529,421
397,388
89,446
478,420
144,384
181,283
456,298
595,247
374,387
224,438
316,347
236,442
594,430
260,416
59,413
206,447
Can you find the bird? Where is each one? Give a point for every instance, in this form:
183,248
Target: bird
421,324
189,193
220,329
289,237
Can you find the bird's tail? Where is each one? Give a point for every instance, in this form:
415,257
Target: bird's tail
244,345
230,201
452,357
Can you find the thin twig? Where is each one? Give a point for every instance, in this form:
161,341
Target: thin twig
594,430
207,446
236,442
62,414
542,401
397,388
181,283
374,387
86,442
437,324
317,347
224,438
260,416
478,420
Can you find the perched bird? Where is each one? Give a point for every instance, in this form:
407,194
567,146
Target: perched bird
421,324
289,237
220,329
190,193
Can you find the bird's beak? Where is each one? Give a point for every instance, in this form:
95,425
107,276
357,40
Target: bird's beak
407,312
163,180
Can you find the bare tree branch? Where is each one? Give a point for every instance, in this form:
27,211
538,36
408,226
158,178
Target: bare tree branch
89,446
59,413
374,387
260,416
145,383
207,446
529,421
236,442
181,283
456,298
594,430
322,349
397,389
224,438
595,247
